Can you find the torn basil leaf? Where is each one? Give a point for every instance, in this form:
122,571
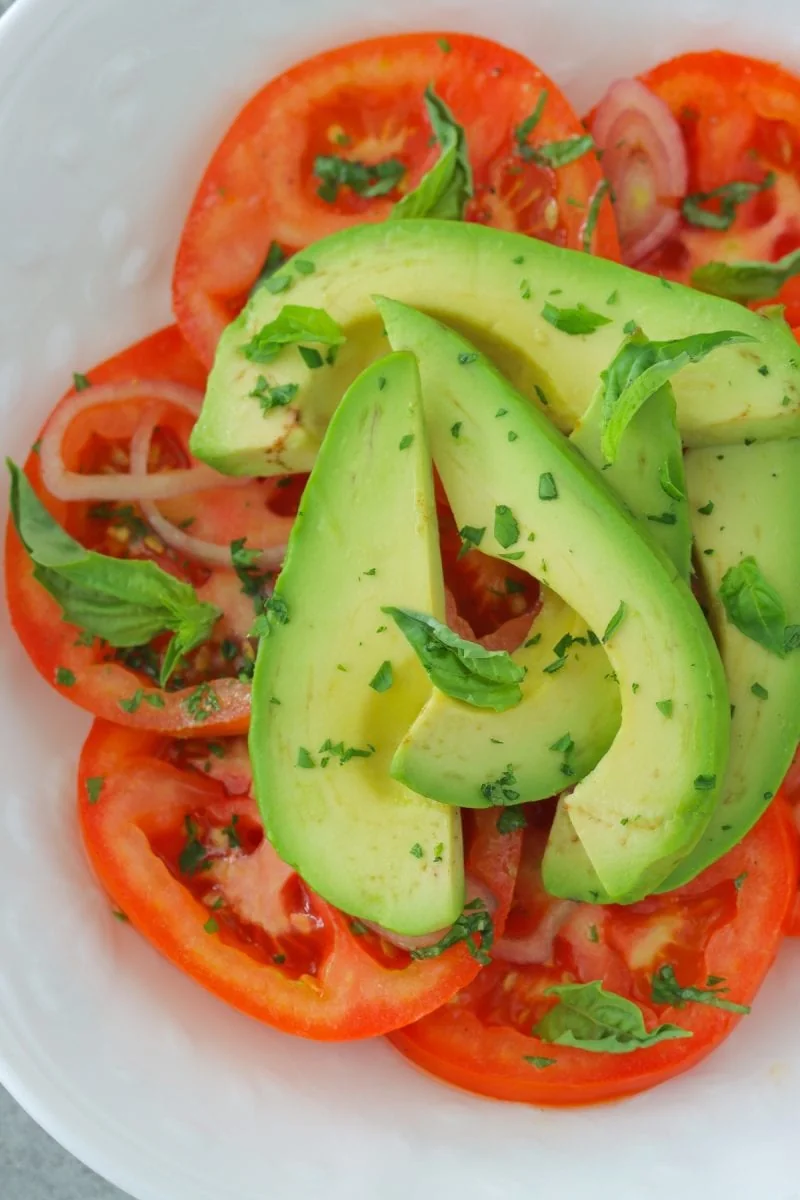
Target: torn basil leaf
590,1018
444,190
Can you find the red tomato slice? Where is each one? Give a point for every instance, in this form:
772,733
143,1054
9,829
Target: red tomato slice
740,119
725,926
95,676
488,593
176,842
364,102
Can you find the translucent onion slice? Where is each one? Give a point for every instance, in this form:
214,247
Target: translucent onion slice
71,485
537,947
276,529
644,160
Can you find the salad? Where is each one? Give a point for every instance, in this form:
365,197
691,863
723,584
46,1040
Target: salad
432,580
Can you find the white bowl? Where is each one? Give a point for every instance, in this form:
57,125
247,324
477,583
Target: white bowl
108,110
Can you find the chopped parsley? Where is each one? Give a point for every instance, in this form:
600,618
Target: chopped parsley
471,537
406,440
365,179
202,703
94,786
615,622
383,678
664,707
510,820
304,759
667,990
506,528
501,790
65,677
80,382
548,489
578,320
193,857
271,396
474,927
417,850
758,690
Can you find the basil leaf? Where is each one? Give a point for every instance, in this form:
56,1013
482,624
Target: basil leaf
730,196
461,669
295,323
523,131
574,320
474,927
754,606
445,189
593,215
122,601
667,990
590,1018
365,179
640,368
559,154
744,281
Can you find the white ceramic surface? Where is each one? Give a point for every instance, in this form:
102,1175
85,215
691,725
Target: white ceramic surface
108,109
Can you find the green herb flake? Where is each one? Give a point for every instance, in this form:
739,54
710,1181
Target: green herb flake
304,266
365,179
474,927
532,641
615,622
590,224
593,935
613,297
664,518
758,690
455,430
728,197
304,759
667,990
132,703
665,707
80,382
94,786
557,665
406,440
705,783
548,489
202,703
444,45
294,325
438,852
417,850
467,356
271,396
574,321
538,1061
277,284
193,857
211,925
383,678
707,509
471,536
506,528
744,280
510,820
65,677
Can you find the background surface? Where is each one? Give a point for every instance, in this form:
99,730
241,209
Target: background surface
32,1165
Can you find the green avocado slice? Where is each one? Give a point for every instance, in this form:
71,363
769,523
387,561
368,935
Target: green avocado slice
514,297
453,750
649,476
635,818
336,684
578,708
739,497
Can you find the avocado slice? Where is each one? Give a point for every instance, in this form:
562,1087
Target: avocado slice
452,750
739,495
649,476
327,712
496,287
437,756
635,818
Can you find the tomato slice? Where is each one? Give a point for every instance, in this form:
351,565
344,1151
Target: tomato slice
488,593
364,103
175,839
94,676
725,927
740,119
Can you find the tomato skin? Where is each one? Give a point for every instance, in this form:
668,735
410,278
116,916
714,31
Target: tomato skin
51,642
259,186
455,1044
352,996
740,118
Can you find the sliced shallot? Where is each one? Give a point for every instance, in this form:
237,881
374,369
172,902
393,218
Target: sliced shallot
214,554
537,947
71,485
644,160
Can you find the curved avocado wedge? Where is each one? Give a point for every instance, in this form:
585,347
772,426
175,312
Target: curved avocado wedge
741,498
336,685
504,291
635,818
452,750
649,476
438,758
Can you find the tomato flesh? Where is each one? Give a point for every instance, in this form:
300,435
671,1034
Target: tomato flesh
725,927
175,839
363,103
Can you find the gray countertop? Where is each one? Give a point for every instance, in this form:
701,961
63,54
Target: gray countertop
32,1165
